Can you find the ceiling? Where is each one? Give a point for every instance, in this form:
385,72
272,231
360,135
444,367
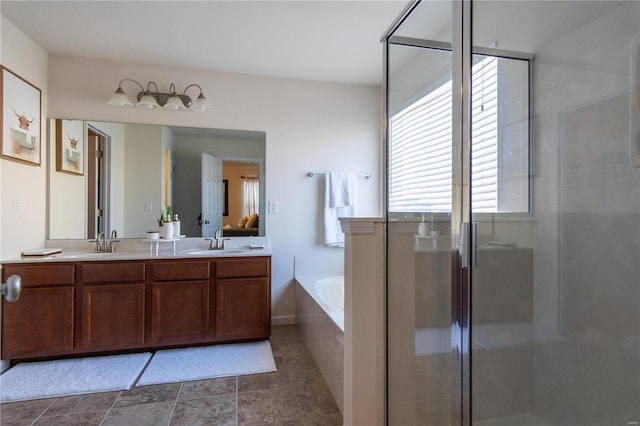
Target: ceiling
336,41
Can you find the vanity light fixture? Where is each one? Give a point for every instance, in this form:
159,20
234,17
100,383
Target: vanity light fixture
150,99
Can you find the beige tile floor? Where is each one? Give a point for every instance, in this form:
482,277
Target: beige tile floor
294,395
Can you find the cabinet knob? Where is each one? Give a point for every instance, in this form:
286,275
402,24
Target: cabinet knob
12,288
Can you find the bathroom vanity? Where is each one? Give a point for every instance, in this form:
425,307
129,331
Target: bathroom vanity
92,305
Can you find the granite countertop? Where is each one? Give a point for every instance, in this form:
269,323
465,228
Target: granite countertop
141,249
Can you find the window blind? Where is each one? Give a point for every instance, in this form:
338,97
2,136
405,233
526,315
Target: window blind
420,152
484,136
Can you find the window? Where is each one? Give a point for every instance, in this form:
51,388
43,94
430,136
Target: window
250,196
420,139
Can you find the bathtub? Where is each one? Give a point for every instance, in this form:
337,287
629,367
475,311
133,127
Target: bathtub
329,294
320,317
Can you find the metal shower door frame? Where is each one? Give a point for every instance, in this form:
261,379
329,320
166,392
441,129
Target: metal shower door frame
463,256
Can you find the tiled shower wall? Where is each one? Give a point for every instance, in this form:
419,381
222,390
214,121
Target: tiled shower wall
587,204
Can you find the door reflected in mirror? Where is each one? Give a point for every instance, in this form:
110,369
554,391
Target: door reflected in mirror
143,168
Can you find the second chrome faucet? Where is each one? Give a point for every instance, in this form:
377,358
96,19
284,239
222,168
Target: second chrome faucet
216,243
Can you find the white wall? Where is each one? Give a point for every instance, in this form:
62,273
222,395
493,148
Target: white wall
26,228
144,157
310,126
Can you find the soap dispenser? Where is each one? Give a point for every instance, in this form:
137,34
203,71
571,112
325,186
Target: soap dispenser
176,226
423,230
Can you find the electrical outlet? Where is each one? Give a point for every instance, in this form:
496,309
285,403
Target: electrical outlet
148,206
273,207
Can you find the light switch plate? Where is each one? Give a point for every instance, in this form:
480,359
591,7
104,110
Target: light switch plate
273,207
17,205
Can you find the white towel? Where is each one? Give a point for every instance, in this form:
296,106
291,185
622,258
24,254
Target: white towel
339,201
341,188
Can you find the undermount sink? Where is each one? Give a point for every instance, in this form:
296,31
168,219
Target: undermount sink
216,252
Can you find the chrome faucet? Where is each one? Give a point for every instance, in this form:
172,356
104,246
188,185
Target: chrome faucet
219,242
114,239
103,245
100,243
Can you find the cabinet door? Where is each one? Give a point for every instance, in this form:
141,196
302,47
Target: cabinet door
112,316
179,312
243,308
40,323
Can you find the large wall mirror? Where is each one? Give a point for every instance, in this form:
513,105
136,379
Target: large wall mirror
119,176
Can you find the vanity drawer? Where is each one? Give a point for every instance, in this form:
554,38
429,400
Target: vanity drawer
38,275
180,271
243,267
116,272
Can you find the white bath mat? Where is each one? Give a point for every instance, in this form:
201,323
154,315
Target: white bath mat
46,379
179,365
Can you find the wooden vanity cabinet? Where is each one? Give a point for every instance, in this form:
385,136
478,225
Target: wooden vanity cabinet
77,308
180,302
111,305
47,298
243,298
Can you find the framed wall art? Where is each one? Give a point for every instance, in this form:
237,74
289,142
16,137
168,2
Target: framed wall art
70,146
21,119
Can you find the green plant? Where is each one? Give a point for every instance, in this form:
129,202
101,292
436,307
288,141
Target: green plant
165,216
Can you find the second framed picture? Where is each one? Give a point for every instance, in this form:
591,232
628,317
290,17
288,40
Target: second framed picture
70,146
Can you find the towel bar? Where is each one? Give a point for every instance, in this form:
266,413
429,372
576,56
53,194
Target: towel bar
312,174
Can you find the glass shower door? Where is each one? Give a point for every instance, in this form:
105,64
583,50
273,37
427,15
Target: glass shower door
555,323
421,219
545,161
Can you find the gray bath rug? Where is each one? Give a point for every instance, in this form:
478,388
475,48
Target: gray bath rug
47,379
180,365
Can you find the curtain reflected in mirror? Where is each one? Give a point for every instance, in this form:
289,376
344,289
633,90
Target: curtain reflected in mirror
251,193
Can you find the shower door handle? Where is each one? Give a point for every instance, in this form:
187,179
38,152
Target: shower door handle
12,288
468,244
634,102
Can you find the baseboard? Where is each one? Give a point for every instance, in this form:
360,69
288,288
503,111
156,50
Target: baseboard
283,320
